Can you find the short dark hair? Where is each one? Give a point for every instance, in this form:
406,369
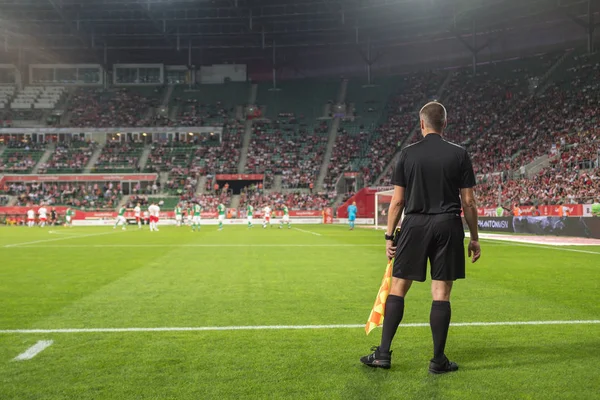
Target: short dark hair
434,115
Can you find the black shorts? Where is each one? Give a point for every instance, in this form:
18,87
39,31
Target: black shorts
439,238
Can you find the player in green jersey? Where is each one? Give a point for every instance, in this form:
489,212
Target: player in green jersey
69,217
286,218
121,218
196,217
250,214
221,210
178,215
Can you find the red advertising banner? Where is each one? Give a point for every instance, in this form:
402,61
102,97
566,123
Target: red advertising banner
351,174
240,177
80,178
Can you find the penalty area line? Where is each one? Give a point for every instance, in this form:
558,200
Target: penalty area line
305,231
286,327
34,350
58,239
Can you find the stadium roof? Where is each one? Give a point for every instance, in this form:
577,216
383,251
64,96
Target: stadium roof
239,30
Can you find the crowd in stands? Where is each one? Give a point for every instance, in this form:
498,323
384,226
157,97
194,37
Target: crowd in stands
71,157
21,157
113,108
92,196
288,148
119,156
550,186
191,112
3,200
295,201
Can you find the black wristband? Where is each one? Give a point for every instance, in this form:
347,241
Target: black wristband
389,237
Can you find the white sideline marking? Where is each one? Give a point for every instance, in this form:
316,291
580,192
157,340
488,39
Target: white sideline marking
55,240
280,327
34,350
311,232
205,245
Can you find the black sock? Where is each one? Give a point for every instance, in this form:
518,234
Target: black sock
394,311
439,320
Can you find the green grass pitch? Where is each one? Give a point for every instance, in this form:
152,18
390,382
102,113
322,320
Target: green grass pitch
319,275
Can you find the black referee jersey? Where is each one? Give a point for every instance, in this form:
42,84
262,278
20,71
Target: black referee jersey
432,171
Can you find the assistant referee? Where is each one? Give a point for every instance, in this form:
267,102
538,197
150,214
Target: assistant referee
432,179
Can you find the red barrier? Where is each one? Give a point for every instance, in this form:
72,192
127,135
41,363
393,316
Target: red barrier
240,177
575,210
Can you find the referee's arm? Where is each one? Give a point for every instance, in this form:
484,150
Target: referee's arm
469,206
394,214
396,205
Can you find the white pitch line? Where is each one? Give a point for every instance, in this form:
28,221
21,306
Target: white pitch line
34,350
204,245
539,246
311,232
57,239
285,327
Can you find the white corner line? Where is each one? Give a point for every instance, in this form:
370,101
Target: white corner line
34,350
286,327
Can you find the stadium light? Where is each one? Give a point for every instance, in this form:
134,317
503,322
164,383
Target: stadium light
144,134
190,133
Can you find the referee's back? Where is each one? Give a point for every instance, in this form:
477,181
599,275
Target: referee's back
433,171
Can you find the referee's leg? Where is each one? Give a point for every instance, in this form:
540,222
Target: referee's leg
439,321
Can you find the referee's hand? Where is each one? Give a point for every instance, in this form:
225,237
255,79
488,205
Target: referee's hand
390,249
474,250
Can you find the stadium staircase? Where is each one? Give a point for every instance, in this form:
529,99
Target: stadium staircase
167,96
253,93
245,145
277,183
93,159
144,157
201,188
537,165
414,131
545,79
123,202
239,113
163,177
45,157
333,131
235,201
12,200
342,92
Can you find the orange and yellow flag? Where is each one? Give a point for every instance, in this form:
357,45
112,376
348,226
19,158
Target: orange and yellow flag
378,311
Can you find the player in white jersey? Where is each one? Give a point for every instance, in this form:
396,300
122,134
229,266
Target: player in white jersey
266,216
30,218
154,211
42,212
137,211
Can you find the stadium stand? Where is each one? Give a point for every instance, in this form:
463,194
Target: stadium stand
302,201
113,108
69,157
289,148
20,157
84,196
208,105
119,157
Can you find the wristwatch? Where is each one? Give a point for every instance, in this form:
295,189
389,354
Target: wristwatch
389,237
